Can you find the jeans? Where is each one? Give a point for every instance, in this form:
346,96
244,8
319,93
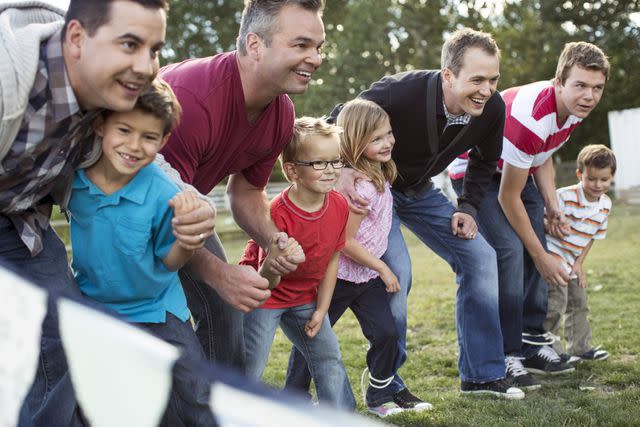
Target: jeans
51,400
218,325
368,301
322,352
428,216
523,292
189,400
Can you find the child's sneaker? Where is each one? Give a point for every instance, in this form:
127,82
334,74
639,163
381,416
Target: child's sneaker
595,353
547,362
500,388
407,400
568,358
539,339
386,409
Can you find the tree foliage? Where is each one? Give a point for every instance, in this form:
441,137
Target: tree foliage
367,39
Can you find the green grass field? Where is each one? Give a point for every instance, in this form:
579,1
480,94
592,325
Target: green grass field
598,393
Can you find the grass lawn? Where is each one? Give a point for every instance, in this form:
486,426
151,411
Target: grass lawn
598,393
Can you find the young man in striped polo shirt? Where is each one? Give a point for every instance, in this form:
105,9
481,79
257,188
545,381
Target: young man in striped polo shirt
540,117
586,206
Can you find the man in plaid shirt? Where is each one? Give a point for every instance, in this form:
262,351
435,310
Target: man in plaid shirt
56,76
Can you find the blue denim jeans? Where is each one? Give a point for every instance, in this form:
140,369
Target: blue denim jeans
523,292
428,216
322,352
368,302
218,325
51,400
189,399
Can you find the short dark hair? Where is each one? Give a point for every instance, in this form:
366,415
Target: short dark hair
596,156
93,14
158,100
457,44
260,17
584,55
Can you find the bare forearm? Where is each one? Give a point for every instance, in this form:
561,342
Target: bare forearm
516,213
250,209
177,257
545,178
580,259
274,279
327,285
359,254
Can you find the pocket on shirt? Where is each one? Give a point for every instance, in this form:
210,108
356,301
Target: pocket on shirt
132,235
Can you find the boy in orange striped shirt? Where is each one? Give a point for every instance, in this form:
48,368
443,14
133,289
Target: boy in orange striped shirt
586,206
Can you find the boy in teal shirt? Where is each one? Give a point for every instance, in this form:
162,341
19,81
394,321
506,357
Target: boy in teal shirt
125,255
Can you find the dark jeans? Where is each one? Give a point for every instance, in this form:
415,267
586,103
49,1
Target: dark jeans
369,303
51,400
522,291
189,401
218,325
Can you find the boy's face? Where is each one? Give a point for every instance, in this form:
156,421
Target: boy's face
595,182
306,177
130,142
580,93
288,63
477,80
111,68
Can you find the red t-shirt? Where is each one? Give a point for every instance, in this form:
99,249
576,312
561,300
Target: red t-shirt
214,138
320,234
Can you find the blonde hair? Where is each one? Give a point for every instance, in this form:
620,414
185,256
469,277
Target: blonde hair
305,128
584,55
597,156
359,118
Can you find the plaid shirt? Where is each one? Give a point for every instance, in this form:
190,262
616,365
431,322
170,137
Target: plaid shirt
46,147
462,119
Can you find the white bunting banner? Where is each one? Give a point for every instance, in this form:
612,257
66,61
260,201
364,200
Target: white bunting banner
236,408
22,309
121,375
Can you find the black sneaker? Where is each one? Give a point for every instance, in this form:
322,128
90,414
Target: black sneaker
539,339
567,358
595,353
408,401
547,362
500,388
518,376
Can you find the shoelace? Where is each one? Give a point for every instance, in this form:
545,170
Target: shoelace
548,354
515,367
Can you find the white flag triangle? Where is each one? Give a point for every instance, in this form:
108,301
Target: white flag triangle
121,375
22,308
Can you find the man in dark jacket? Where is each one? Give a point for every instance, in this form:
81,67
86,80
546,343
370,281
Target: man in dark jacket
436,116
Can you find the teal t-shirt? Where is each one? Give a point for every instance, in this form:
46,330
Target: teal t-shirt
119,241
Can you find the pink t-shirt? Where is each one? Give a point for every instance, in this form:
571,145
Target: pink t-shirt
214,138
373,233
321,234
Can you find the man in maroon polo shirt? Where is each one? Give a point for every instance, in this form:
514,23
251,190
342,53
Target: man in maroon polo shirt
236,120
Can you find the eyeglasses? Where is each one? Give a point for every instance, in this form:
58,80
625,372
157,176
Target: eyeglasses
321,165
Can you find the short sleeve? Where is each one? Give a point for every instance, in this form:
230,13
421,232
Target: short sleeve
252,255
